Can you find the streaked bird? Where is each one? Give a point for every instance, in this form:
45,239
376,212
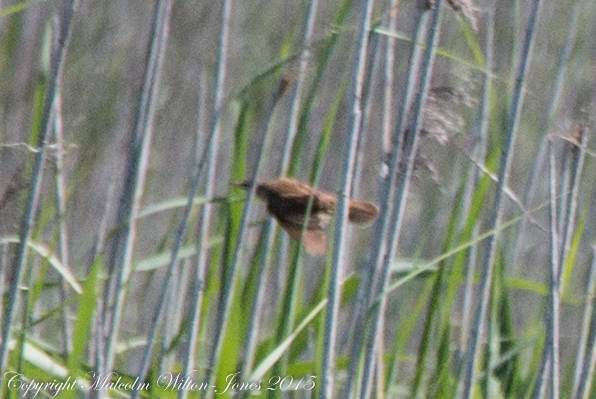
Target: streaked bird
287,201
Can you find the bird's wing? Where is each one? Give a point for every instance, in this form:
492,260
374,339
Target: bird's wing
294,216
314,241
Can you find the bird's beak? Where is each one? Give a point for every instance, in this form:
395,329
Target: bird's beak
245,185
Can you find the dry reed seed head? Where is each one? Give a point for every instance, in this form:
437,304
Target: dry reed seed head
422,162
442,113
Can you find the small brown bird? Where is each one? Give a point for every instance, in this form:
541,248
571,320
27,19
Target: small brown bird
287,201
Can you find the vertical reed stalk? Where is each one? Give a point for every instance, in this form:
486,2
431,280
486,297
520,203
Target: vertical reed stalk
366,293
339,245
586,361
497,211
552,346
60,200
480,155
120,260
56,68
225,305
545,124
409,147
197,286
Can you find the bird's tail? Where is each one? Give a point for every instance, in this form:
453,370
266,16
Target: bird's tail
362,211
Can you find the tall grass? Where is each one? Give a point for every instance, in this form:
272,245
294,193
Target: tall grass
476,279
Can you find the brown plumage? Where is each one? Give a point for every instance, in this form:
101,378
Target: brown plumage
287,201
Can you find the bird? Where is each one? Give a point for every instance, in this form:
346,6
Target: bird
287,201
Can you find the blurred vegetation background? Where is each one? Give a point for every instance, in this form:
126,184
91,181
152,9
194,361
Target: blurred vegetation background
421,350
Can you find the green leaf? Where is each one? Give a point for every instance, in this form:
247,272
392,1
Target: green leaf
277,353
53,260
